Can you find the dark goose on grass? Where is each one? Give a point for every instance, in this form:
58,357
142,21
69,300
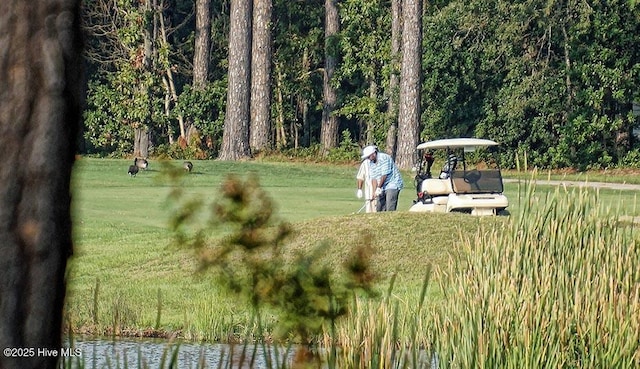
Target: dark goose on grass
188,166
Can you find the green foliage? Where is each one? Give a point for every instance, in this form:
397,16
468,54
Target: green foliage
453,77
115,109
126,92
130,67
554,78
204,108
176,151
309,154
298,59
631,159
363,73
346,152
103,128
556,81
249,259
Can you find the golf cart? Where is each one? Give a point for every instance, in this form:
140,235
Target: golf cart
470,180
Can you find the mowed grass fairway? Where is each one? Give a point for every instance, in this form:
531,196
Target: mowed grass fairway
127,276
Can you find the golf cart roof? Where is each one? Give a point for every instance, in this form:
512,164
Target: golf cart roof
456,143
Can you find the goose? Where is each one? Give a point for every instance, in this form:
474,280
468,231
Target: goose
188,166
133,170
141,163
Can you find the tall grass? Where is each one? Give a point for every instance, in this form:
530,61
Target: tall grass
558,287
391,332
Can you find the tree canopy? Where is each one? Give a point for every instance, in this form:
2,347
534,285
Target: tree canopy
557,79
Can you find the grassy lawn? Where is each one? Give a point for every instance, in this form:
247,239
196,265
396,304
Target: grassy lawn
128,277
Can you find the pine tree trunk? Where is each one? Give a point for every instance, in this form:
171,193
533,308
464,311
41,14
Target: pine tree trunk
329,129
141,133
373,96
202,44
392,106
235,137
280,136
261,75
410,79
303,103
141,143
42,91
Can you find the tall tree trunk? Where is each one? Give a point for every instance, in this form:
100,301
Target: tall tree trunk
142,137
261,75
410,78
280,134
148,6
329,129
171,95
303,112
201,55
202,44
235,137
40,111
141,142
392,105
303,102
373,96
566,42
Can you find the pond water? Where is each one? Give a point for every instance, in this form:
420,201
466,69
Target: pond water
148,353
95,353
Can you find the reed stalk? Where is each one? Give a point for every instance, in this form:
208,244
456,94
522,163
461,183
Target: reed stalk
558,287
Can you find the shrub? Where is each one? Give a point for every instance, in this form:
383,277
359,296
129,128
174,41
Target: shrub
249,260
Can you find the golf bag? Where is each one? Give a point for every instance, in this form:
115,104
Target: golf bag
423,172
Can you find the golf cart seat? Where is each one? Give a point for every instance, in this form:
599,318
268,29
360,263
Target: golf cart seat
434,191
436,186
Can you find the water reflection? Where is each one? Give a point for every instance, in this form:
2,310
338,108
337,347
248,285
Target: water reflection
146,353
94,353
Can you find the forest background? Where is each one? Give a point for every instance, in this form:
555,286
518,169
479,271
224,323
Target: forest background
318,79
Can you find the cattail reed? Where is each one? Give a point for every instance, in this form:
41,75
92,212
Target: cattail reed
558,287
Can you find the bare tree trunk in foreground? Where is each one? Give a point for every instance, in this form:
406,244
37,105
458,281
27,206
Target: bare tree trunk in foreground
40,107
